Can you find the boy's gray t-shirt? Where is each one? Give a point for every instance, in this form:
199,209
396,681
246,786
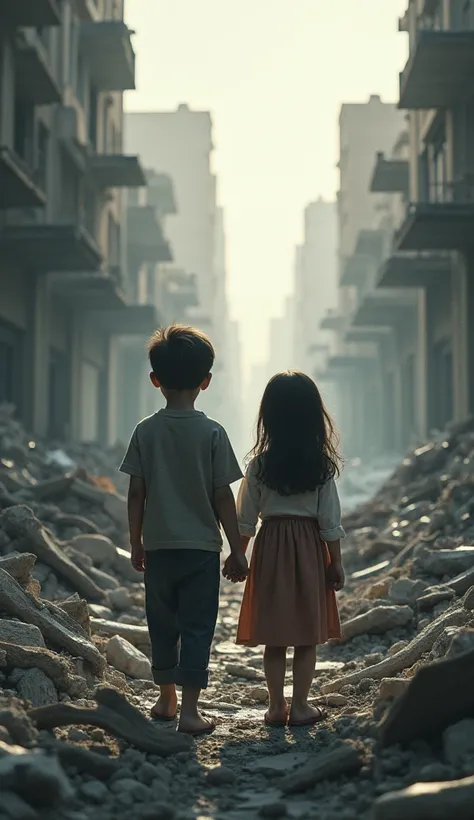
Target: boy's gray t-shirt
182,456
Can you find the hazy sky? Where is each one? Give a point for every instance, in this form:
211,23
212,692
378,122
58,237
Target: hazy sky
274,74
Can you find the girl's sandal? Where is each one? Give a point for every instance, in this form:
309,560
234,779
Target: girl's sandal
312,721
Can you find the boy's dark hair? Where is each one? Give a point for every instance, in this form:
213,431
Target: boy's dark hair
181,357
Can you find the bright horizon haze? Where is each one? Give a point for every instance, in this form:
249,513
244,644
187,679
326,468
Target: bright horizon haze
274,74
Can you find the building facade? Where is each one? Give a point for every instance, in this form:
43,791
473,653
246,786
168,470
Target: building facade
366,333
64,293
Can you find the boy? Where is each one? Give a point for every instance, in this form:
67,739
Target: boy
181,465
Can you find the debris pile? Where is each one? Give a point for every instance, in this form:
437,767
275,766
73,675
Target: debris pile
75,673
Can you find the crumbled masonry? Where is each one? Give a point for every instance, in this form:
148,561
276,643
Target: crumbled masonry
75,677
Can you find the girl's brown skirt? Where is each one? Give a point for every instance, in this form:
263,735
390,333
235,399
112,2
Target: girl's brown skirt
287,600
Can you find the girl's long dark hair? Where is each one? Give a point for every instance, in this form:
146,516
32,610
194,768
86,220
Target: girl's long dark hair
297,444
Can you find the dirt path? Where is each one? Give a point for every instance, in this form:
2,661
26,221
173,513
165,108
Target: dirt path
253,758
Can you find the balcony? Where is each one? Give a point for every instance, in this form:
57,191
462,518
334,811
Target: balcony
371,242
439,71
333,320
100,291
161,194
125,320
44,248
181,290
357,269
390,176
382,308
18,186
414,270
145,239
30,13
34,77
349,362
363,335
116,171
107,46
442,222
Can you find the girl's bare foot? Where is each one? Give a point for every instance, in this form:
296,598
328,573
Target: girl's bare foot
302,714
277,714
195,724
166,705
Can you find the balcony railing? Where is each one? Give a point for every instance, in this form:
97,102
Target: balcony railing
439,70
107,45
30,13
441,220
460,192
19,185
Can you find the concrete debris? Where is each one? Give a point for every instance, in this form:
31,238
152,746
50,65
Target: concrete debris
35,777
428,801
343,759
33,685
75,671
128,659
377,621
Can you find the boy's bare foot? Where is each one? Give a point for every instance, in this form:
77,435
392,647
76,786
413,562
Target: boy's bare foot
277,714
195,724
305,715
166,705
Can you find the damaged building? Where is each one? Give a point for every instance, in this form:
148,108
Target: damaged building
406,284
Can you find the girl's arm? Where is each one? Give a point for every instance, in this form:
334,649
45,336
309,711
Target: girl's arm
244,542
329,518
248,505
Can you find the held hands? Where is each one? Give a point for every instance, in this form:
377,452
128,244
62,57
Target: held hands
335,576
236,567
138,557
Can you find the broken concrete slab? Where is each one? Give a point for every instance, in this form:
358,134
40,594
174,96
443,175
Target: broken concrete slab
428,801
458,742
99,548
128,659
35,687
439,695
344,758
30,536
61,631
406,591
445,562
20,633
407,656
377,621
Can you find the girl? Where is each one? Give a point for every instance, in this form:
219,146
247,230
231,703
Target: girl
296,567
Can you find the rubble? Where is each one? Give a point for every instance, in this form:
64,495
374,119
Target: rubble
75,672
428,801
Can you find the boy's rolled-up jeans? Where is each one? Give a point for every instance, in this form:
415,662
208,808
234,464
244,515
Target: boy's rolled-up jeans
182,602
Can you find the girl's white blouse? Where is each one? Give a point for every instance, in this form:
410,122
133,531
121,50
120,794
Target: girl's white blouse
255,501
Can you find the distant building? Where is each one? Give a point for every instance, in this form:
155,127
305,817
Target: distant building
179,145
354,363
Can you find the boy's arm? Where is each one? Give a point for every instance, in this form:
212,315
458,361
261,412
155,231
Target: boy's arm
136,509
224,504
